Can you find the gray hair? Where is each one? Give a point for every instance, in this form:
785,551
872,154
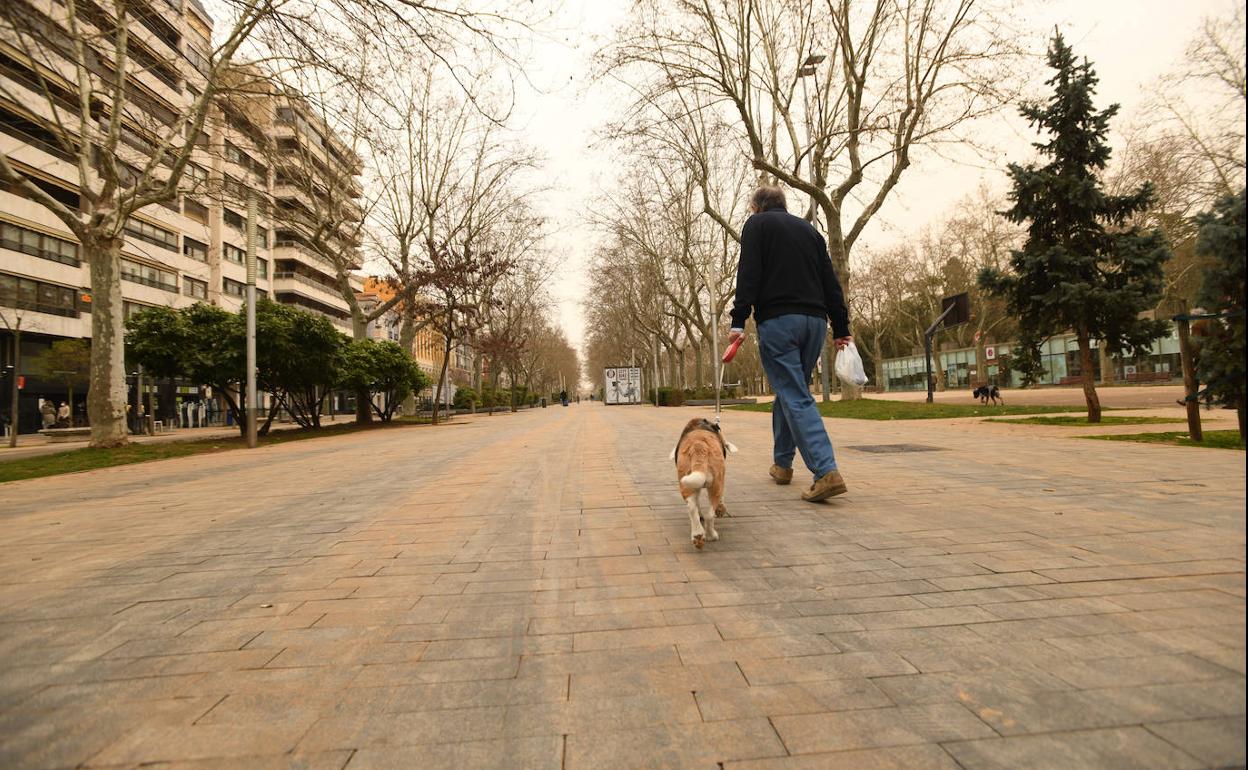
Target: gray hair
767,197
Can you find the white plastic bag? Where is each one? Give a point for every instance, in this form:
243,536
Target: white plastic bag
849,366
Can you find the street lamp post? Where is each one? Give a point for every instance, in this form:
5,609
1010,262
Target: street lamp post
810,68
252,398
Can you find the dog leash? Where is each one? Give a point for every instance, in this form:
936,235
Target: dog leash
729,354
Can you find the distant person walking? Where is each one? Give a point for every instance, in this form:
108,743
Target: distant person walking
47,412
563,397
63,416
785,278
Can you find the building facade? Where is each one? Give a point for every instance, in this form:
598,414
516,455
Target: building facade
191,249
1059,356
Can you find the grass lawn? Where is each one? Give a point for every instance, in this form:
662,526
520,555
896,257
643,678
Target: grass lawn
878,409
76,460
1070,419
1214,439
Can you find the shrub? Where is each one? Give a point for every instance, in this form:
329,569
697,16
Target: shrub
465,397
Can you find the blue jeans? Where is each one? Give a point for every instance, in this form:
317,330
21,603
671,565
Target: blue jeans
789,346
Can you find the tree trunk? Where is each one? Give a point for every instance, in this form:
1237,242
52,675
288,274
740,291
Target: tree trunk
981,362
363,406
16,393
877,350
446,363
106,397
1088,376
697,366
407,341
1107,364
1239,408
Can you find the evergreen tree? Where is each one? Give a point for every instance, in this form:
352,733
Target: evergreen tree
1221,366
1081,269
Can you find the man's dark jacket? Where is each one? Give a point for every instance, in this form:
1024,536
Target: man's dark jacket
784,270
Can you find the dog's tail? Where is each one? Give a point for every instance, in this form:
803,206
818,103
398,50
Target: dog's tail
696,480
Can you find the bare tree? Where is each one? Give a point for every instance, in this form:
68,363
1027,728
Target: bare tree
88,65
97,71
1203,102
899,75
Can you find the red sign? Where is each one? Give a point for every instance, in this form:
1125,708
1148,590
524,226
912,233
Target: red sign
21,381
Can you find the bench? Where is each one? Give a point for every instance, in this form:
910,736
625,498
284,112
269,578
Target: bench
1149,376
62,435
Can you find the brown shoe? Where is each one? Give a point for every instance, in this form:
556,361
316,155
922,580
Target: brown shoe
828,485
780,475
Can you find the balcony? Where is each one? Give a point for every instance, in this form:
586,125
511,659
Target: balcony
306,281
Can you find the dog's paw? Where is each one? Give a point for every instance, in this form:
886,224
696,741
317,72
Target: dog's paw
722,512
713,536
699,541
732,448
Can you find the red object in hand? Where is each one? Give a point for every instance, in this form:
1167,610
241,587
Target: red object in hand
733,348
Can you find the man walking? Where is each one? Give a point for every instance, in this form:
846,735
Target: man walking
786,278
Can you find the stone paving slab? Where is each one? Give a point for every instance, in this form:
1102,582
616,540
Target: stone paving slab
520,592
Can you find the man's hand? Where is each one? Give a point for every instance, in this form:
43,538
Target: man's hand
843,342
734,334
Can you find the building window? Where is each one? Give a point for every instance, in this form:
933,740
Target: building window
198,60
233,254
28,294
234,219
193,287
60,191
130,309
37,134
149,275
197,174
194,249
232,287
235,155
158,236
262,237
195,210
235,187
262,267
287,238
38,245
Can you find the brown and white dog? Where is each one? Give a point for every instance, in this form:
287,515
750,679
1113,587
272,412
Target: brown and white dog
701,471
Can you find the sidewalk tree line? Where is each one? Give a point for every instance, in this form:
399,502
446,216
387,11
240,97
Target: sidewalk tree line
130,153
301,359
727,96
834,100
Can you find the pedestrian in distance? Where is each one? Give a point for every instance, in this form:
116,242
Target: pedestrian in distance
563,397
62,416
47,412
785,278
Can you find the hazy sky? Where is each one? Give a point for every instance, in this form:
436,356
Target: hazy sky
1130,43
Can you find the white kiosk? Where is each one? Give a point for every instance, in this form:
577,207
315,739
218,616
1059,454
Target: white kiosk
622,385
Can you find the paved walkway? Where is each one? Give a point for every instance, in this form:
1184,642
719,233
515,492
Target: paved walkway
519,592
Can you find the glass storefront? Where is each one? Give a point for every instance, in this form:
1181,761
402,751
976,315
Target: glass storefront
1059,358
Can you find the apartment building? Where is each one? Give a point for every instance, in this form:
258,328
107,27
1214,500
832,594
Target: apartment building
189,250
427,347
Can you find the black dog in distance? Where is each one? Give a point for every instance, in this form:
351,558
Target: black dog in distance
985,392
